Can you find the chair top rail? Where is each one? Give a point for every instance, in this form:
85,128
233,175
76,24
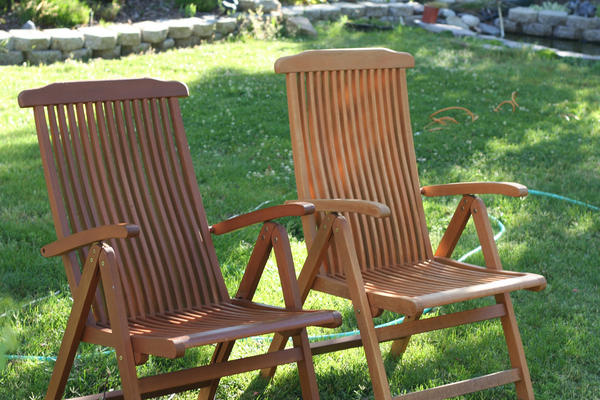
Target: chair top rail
344,59
107,90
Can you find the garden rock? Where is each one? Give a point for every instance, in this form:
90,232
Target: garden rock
28,40
11,57
78,54
312,12
291,11
329,12
471,20
245,5
140,48
417,7
352,10
226,25
29,25
300,26
108,54
180,28
43,56
509,26
446,12
153,32
552,18
565,32
488,29
400,10
592,35
578,22
456,21
65,40
127,35
98,38
523,15
269,5
166,44
537,29
6,41
202,27
375,10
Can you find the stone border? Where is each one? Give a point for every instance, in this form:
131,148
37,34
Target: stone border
54,45
461,32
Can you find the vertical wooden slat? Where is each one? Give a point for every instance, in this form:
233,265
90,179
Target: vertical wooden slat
411,246
206,246
103,163
419,212
185,213
169,202
127,156
160,257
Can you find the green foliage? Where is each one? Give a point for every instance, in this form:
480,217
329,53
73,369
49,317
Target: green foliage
8,342
190,10
259,26
550,6
107,11
5,5
52,13
201,5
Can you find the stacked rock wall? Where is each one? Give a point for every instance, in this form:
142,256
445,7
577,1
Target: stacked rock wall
556,24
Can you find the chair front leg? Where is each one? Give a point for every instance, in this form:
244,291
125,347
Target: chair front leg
254,269
115,302
345,246
82,301
316,253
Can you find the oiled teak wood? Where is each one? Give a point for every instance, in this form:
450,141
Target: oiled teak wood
368,241
116,151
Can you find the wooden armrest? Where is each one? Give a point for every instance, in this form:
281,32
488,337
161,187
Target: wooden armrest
88,236
463,188
367,207
266,214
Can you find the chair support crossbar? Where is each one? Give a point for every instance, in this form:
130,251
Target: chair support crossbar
393,332
157,385
467,386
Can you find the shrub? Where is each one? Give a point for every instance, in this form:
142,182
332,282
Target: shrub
550,5
49,13
5,5
201,5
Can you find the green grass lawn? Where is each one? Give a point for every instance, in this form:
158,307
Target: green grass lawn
236,120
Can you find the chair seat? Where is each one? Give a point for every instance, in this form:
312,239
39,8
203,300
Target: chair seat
170,334
411,288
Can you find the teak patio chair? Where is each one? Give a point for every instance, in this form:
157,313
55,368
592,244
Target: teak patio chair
136,246
354,160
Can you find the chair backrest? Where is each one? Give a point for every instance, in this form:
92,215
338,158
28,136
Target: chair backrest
351,138
115,151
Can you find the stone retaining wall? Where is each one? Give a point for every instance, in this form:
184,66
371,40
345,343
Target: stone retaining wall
556,24
51,45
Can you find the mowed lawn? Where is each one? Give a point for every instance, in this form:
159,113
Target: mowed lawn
236,120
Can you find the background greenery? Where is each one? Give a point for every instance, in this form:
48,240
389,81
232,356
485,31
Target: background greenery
236,119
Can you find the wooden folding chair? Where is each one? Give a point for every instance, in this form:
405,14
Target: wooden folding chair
354,159
116,151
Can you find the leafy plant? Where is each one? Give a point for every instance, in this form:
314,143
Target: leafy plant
259,26
47,13
551,6
201,5
190,10
5,5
